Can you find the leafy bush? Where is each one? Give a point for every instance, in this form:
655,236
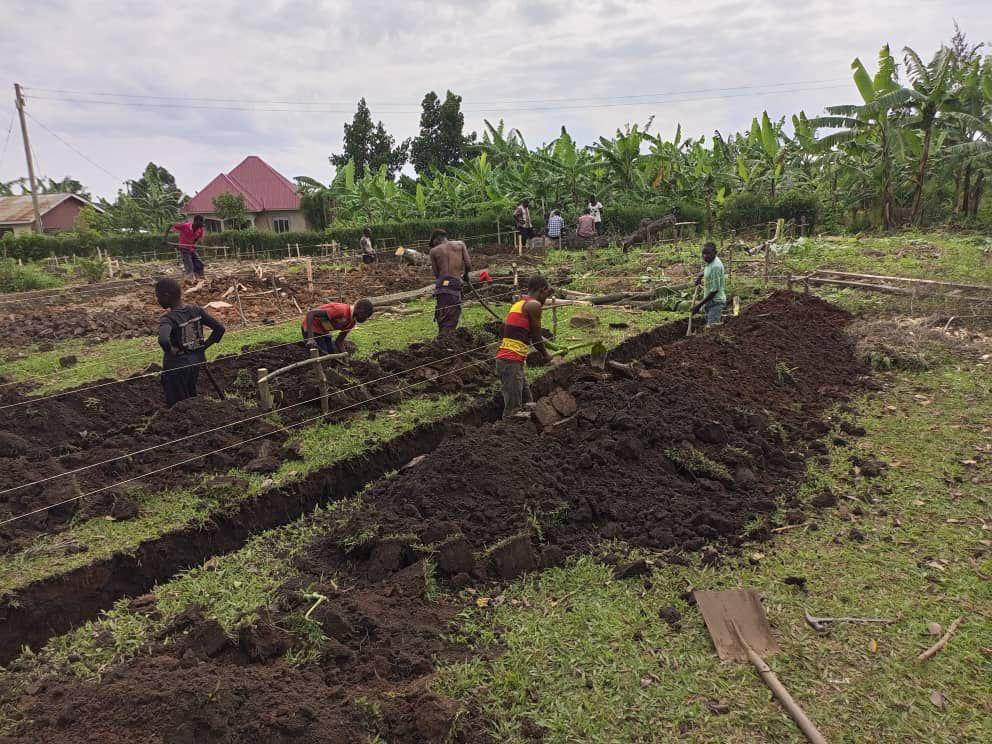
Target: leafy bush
15,278
745,209
795,205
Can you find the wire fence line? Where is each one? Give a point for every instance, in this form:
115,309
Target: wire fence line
241,443
249,352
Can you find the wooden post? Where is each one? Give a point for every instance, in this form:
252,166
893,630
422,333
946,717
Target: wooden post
309,262
516,280
321,382
499,236
264,392
237,302
19,102
768,253
110,266
554,321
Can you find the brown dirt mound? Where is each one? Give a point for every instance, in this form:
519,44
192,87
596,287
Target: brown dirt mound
106,422
686,453
680,452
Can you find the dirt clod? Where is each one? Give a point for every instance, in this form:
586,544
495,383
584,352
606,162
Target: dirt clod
631,569
672,616
513,556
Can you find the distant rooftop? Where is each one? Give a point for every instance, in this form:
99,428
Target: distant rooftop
264,188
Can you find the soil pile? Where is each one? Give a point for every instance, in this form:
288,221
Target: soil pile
678,452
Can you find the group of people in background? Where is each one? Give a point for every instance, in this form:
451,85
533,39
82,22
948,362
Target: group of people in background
589,224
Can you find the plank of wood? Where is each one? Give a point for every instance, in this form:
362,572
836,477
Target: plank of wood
912,280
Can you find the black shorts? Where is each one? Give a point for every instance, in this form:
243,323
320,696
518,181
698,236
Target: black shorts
179,376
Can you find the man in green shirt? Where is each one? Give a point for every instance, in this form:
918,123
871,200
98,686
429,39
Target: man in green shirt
714,287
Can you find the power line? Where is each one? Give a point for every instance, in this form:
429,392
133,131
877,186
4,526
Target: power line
501,110
75,150
282,102
10,128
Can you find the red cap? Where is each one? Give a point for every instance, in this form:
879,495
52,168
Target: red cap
484,277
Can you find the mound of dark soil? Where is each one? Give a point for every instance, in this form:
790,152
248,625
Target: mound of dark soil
678,455
105,422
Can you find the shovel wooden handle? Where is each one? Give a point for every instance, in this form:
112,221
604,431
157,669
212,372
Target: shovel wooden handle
781,694
695,294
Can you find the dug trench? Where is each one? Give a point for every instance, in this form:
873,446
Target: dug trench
675,453
50,606
125,428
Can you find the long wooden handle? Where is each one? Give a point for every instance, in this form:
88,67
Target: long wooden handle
793,708
772,682
688,332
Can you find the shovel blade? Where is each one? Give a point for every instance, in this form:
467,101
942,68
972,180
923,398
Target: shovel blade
721,610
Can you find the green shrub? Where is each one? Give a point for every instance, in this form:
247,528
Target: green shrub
745,209
795,205
15,278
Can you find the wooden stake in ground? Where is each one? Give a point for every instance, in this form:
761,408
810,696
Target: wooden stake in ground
321,381
935,648
264,392
309,262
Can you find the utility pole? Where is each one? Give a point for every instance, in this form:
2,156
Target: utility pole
19,99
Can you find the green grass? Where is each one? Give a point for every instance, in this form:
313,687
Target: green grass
23,278
588,658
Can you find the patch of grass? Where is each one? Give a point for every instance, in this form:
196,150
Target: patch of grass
697,463
23,278
601,665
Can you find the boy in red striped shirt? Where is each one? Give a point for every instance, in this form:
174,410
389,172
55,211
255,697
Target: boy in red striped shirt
521,331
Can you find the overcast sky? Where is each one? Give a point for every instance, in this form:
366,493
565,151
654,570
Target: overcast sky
592,66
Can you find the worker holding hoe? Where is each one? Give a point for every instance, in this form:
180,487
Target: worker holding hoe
714,287
319,323
189,234
451,264
521,331
180,334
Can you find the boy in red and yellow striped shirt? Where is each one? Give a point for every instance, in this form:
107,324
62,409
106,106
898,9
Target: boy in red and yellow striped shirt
521,331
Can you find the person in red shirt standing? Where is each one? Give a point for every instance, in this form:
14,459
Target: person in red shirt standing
189,234
334,316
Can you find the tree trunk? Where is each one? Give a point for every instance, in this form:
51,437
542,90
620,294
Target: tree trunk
921,177
886,183
966,189
977,192
957,191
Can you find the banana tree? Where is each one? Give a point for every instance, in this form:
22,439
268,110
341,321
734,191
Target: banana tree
622,156
871,126
565,167
931,96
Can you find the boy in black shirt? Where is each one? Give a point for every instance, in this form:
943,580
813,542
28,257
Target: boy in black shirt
180,334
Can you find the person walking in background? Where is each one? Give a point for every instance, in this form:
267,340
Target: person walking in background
189,234
596,210
367,251
586,228
180,334
556,225
521,216
714,287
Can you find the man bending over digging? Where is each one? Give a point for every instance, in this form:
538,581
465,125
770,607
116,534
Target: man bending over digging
521,330
180,334
450,261
714,287
319,323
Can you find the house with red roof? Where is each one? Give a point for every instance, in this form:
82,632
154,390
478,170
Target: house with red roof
271,199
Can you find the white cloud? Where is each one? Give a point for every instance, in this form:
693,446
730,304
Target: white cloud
492,53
